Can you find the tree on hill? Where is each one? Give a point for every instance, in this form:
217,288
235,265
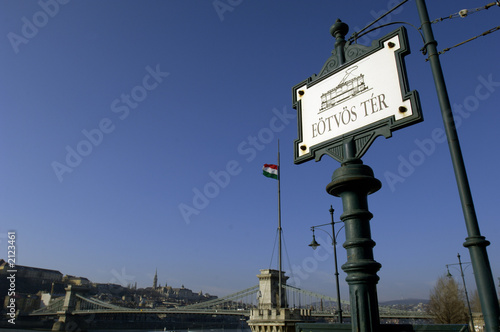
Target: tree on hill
447,302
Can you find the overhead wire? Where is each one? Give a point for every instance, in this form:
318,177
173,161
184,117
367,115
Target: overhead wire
466,12
462,14
470,39
354,35
357,34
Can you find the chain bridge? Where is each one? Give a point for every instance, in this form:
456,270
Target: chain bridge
237,304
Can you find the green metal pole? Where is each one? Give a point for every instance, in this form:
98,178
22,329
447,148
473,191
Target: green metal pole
334,238
472,328
353,182
475,242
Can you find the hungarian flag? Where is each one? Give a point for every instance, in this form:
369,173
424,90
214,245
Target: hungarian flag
270,170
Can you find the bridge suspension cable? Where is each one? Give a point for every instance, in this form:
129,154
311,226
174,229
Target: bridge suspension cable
229,298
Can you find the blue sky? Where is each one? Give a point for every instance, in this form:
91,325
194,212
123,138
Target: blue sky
115,115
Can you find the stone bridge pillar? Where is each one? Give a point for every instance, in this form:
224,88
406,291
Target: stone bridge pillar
269,289
67,321
273,315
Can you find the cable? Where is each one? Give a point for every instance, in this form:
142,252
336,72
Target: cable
354,35
274,247
468,40
465,12
287,257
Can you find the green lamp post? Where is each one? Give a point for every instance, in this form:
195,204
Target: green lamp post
475,242
314,244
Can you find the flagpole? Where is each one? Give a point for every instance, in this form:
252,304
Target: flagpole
279,227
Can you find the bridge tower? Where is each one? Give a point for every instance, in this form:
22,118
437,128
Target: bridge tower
67,321
273,314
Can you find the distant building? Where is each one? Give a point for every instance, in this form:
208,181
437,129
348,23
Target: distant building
32,272
45,299
180,294
109,289
184,294
77,281
478,321
30,281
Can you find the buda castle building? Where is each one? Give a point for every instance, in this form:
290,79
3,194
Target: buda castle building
180,294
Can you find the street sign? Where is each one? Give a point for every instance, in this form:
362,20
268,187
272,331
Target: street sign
360,100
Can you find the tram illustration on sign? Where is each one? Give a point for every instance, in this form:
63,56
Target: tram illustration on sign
345,90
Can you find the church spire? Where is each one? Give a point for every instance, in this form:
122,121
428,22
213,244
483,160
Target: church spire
155,279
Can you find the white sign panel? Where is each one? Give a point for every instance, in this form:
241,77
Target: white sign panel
367,91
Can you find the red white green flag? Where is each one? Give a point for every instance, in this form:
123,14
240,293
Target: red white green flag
270,170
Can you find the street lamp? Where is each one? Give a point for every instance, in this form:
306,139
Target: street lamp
465,287
315,244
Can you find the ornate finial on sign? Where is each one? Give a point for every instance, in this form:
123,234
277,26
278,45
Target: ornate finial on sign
339,29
